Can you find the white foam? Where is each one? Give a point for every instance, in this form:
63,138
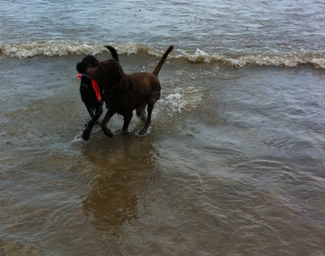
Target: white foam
31,49
78,138
239,59
199,55
184,99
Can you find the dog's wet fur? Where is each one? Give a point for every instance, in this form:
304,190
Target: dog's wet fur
87,93
124,93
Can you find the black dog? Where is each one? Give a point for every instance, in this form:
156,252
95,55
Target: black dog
87,93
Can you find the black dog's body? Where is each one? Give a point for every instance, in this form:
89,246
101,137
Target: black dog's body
87,93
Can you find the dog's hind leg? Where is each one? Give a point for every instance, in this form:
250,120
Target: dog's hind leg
106,119
141,112
151,103
147,124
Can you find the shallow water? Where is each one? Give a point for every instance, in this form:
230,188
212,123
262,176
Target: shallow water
233,163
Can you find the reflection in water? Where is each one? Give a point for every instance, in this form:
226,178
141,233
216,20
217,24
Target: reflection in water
112,200
124,165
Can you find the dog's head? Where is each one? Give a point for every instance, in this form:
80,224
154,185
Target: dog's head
87,62
109,73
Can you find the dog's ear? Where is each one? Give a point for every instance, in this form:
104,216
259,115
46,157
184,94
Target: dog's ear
117,75
109,71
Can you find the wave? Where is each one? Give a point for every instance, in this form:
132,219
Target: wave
262,59
48,48
31,49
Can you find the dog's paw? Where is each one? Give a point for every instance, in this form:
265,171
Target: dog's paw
85,135
108,133
142,132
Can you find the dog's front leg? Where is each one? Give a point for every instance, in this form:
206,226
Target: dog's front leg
91,123
127,120
106,119
90,111
98,113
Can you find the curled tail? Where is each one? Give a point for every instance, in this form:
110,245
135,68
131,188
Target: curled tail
162,60
113,52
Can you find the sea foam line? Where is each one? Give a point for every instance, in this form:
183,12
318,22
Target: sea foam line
53,48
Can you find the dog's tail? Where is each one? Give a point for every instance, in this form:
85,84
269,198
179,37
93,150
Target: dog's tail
162,60
113,52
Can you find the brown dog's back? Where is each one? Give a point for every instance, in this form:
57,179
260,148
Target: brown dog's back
137,89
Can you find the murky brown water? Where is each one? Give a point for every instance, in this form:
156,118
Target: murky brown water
232,165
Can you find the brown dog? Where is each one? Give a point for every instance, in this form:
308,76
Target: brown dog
123,93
